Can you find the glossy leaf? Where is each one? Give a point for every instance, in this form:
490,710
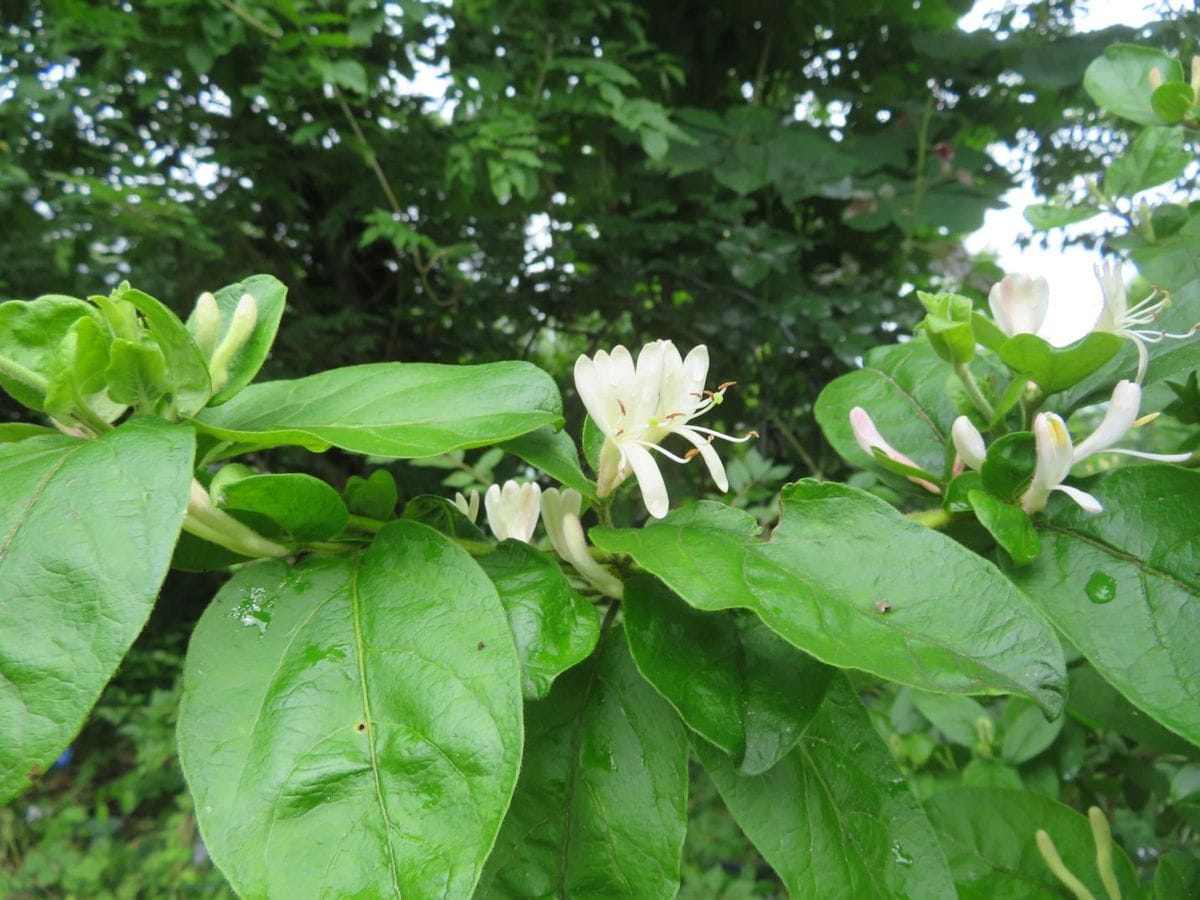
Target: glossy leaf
600,810
301,507
927,612
1025,732
1123,587
1101,707
1119,81
353,725
553,626
1009,525
86,533
187,369
554,453
835,818
439,513
374,496
1008,468
732,680
269,294
30,334
1173,102
988,838
396,410
1058,368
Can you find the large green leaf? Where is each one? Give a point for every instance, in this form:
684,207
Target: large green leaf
553,626
399,410
1120,81
1058,368
732,679
600,810
1101,707
269,294
908,391
856,584
835,818
1155,156
987,834
352,726
297,506
1124,587
86,533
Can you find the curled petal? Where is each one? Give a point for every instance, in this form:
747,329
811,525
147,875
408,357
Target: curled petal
1118,419
1086,501
650,480
716,468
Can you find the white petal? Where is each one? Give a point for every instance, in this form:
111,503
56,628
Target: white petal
650,480
1118,419
968,442
595,399
709,453
493,504
580,557
1054,451
1086,501
1159,457
1019,303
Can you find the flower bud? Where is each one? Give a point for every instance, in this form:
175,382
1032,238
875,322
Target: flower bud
968,442
206,323
869,438
513,510
1019,303
241,327
469,508
560,515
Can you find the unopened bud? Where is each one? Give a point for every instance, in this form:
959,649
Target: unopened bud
241,327
1156,79
1196,75
468,507
206,322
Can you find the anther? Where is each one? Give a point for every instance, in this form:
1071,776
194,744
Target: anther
725,384
622,405
690,453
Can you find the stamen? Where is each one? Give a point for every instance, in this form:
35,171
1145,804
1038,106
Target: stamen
622,405
674,416
725,384
691,453
1146,419
667,453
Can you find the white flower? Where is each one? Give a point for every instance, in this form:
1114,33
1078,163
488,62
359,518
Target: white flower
968,442
469,508
1019,303
512,510
1117,317
1056,455
868,438
639,406
560,515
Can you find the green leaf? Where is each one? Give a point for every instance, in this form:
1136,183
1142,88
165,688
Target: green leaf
1157,155
553,626
395,410
1119,81
1009,525
375,496
1100,706
353,724
835,818
905,388
1056,369
988,838
302,507
1008,467
732,679
955,717
945,607
1044,216
187,369
136,374
12,432
1177,877
269,295
1025,732
79,379
1173,102
1123,587
440,514
30,335
1177,357
554,453
86,532
600,810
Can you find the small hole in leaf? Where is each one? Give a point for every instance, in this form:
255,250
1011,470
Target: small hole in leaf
361,726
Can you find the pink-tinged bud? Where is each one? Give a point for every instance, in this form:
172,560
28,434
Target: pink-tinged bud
868,438
968,442
1019,303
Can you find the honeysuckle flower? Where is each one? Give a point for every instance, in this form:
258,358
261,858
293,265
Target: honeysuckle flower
468,507
512,510
968,442
1117,317
637,406
868,438
1056,454
560,515
1019,303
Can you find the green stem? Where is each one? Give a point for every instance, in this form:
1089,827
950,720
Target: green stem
365,523
10,368
973,391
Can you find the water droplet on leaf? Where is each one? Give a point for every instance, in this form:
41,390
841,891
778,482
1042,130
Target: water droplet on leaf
1101,588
